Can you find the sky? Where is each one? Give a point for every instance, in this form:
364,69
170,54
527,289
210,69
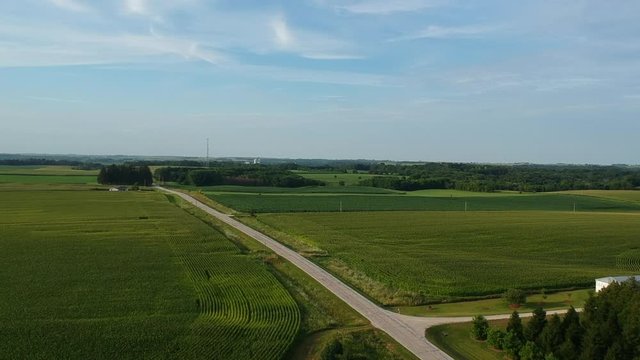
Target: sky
536,81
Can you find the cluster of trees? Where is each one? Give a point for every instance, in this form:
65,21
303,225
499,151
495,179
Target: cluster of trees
39,161
487,178
234,174
125,175
608,329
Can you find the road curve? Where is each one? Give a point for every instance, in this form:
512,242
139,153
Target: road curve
407,330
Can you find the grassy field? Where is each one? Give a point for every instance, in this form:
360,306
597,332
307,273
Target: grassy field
410,257
263,203
35,174
90,274
455,340
625,195
45,170
460,193
308,190
553,301
47,179
334,179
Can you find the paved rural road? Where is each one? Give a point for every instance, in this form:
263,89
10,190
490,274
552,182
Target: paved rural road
406,330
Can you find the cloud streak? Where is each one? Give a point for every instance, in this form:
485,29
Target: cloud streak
307,44
71,5
449,32
387,7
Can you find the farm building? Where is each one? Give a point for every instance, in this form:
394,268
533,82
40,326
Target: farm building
606,281
118,188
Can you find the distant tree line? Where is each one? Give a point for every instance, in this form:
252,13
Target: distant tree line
36,161
125,175
235,174
609,328
488,178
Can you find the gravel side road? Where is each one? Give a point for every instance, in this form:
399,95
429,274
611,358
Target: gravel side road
406,330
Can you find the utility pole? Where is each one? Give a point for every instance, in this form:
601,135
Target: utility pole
207,161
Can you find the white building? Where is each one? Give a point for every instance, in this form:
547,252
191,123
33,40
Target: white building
606,281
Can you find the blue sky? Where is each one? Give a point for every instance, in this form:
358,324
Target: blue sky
435,80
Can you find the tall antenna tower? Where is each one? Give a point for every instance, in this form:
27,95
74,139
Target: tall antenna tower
207,161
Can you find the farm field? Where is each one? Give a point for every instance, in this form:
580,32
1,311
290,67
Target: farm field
45,170
90,274
34,174
308,190
626,195
412,257
271,203
47,179
334,179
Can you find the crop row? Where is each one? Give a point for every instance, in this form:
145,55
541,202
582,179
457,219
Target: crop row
399,257
244,311
263,203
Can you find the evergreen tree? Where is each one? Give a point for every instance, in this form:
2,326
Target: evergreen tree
552,335
512,344
495,338
515,325
531,351
480,328
572,334
536,324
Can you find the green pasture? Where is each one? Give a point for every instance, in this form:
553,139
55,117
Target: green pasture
47,179
414,257
463,194
270,203
625,195
334,179
45,170
308,190
93,274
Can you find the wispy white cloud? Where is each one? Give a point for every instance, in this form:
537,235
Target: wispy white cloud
54,99
139,7
281,33
71,5
309,44
51,46
331,56
449,32
386,7
565,83
314,76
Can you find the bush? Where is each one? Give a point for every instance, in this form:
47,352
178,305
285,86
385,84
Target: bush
512,344
480,328
515,297
531,351
495,338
